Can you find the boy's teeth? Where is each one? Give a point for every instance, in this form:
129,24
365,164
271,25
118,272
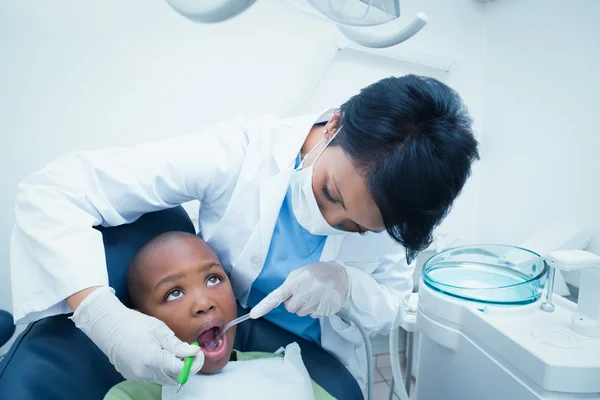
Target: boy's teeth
215,342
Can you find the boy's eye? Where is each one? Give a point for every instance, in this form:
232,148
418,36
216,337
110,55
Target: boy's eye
174,295
213,280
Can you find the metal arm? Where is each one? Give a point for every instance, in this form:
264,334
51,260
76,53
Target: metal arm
379,41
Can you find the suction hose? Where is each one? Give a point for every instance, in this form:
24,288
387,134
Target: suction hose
398,384
345,315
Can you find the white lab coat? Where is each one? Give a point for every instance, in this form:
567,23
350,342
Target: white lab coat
239,171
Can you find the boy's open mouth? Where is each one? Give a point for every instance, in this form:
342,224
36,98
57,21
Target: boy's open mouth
212,345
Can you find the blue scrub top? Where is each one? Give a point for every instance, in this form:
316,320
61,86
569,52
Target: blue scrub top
291,247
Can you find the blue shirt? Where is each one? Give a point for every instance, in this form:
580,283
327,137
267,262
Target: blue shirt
291,247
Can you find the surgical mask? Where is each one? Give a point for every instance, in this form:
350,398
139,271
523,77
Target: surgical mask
304,203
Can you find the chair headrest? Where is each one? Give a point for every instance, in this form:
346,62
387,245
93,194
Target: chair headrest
122,242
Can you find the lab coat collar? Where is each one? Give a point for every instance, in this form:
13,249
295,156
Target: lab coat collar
326,116
272,190
287,148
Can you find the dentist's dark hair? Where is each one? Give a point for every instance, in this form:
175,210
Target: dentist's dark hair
411,137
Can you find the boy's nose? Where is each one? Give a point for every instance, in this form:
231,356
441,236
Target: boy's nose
203,305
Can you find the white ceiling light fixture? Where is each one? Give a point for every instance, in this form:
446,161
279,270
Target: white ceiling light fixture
354,18
210,11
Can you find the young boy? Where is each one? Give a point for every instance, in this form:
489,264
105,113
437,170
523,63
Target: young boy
178,279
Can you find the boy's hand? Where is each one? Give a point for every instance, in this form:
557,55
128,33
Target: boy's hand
318,290
140,347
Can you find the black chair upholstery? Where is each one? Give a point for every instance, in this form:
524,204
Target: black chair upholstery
7,327
53,360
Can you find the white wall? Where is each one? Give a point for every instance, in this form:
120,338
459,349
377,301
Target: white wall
82,75
542,137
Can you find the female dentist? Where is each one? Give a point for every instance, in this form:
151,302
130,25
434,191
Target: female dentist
296,209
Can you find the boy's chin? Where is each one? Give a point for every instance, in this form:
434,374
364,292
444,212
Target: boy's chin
214,366
217,358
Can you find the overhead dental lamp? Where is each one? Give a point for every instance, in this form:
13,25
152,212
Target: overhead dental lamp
354,18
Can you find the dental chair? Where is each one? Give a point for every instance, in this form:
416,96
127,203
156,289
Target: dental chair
7,327
53,360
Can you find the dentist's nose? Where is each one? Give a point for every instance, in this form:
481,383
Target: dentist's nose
337,218
333,217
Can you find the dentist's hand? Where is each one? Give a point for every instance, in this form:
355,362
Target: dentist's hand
140,347
318,290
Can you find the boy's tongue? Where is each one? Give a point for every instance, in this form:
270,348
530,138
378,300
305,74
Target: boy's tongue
207,337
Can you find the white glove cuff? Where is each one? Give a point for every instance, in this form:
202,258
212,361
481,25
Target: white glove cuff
103,296
346,302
